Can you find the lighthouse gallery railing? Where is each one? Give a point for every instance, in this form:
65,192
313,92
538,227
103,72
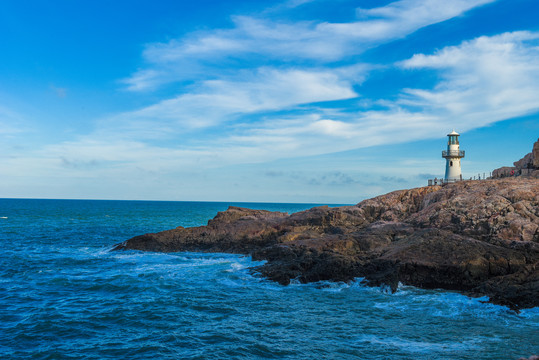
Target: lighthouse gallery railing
453,153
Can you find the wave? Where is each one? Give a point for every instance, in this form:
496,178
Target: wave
416,346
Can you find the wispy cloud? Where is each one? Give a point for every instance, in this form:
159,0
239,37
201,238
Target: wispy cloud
482,80
60,92
213,102
246,76
271,93
400,18
254,39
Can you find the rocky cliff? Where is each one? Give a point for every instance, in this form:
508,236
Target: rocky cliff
527,166
476,237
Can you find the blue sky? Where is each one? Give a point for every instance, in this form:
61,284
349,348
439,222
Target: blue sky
281,101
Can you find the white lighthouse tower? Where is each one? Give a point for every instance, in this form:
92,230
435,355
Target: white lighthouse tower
452,156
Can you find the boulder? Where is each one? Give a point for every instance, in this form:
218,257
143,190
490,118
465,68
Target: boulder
525,163
504,171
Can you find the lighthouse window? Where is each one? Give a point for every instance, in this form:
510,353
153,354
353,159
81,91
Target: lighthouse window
451,163
453,140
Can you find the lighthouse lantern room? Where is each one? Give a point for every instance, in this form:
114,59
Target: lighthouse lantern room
452,156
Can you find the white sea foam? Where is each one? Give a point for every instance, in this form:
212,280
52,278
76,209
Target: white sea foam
530,314
413,346
180,264
331,286
3,217
236,266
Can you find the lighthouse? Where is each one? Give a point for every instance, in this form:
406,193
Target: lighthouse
452,155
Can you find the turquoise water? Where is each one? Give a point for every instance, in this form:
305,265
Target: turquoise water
64,295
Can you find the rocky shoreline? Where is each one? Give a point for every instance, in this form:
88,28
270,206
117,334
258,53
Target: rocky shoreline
476,237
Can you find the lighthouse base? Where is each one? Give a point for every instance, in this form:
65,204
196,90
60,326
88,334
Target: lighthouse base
442,181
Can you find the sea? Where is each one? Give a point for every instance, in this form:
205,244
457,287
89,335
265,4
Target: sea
65,295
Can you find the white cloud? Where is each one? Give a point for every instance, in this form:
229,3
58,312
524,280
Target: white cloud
267,89
144,79
206,53
406,12
222,93
483,80
401,18
296,3
315,135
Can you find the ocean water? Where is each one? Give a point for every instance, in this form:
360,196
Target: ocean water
65,295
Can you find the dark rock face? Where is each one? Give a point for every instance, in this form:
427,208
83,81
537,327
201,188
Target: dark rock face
477,237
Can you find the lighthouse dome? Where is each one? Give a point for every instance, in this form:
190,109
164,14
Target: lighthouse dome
453,133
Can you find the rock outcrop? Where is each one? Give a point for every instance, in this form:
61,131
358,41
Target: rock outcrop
476,237
527,166
535,155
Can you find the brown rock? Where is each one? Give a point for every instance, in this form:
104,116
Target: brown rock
527,166
478,237
525,162
504,171
535,155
